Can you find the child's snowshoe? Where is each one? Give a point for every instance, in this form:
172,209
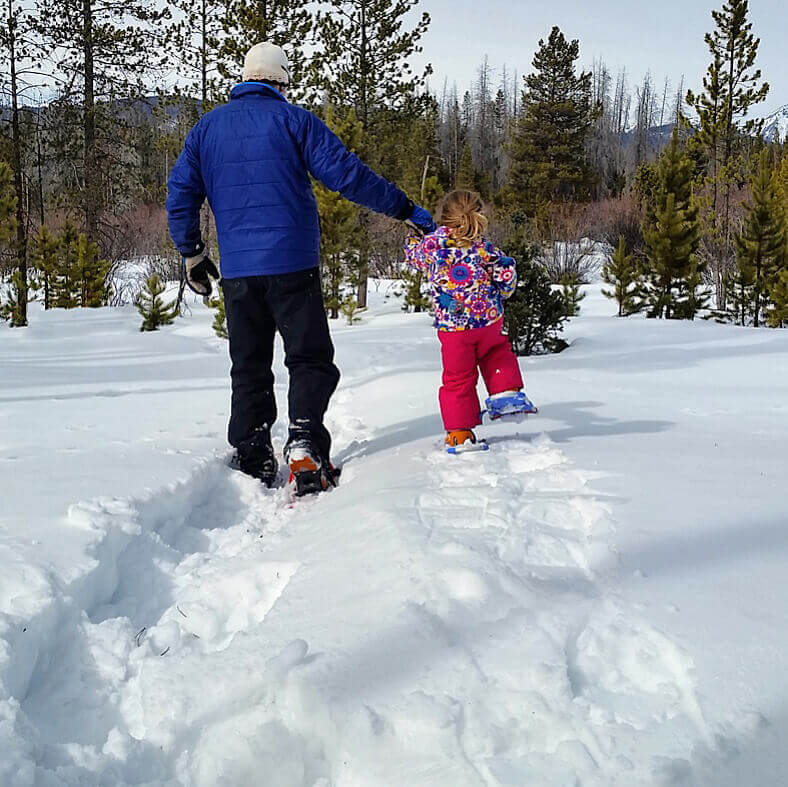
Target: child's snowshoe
509,403
461,441
308,472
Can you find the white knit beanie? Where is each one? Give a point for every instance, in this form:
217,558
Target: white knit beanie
266,62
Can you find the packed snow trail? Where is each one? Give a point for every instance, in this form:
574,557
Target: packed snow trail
435,620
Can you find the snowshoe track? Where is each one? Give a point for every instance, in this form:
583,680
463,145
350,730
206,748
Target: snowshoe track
465,634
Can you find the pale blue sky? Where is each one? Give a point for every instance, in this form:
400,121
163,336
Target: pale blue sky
665,36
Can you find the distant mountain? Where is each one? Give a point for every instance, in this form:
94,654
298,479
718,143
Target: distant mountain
776,125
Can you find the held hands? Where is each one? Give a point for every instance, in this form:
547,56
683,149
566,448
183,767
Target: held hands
420,220
200,269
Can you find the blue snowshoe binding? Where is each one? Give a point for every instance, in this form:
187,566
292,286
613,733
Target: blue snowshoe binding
509,404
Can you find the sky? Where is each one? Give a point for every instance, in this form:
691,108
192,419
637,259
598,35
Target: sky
663,36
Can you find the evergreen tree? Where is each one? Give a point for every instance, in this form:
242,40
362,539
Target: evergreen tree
549,161
287,23
90,274
338,220
739,284
17,56
219,323
104,52
65,284
466,174
415,297
761,244
570,289
731,86
15,308
778,313
672,237
195,39
535,314
152,308
45,259
363,62
8,202
623,273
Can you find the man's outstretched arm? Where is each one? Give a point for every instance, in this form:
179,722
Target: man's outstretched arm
338,169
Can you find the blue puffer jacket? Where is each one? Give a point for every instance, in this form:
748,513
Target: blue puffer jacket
252,158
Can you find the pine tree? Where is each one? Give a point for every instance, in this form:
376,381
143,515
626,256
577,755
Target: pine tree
570,290
622,272
363,62
672,232
549,161
15,308
17,55
45,259
739,284
195,39
466,174
761,244
338,220
777,315
65,284
535,314
152,308
287,23
8,203
731,86
90,274
219,323
415,298
104,51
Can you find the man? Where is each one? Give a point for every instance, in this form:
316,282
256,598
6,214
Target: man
252,159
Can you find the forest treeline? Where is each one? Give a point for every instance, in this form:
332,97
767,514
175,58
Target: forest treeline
678,184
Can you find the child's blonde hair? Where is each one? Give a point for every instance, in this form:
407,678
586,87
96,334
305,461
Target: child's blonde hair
463,213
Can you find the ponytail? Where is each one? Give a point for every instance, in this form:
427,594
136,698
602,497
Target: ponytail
463,213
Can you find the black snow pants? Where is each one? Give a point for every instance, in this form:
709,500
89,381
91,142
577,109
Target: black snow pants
256,307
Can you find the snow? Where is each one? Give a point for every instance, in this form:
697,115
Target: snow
599,600
775,126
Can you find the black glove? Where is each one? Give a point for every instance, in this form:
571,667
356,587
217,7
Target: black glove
200,269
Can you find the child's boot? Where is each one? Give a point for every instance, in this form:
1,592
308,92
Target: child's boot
509,403
460,441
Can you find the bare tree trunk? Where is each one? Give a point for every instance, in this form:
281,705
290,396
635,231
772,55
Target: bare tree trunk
90,173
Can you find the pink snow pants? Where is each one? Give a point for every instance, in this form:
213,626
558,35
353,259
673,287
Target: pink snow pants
462,352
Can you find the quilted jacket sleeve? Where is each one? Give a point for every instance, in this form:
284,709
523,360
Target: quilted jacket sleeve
338,169
185,195
503,270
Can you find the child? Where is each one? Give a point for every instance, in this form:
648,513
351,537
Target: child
470,279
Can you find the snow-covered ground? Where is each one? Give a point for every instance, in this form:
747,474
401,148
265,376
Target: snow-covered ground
600,600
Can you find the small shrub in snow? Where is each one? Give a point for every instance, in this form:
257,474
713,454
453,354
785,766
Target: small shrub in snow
155,312
535,315
219,323
415,298
349,309
570,289
624,274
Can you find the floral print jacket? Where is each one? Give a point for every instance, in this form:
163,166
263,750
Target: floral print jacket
469,284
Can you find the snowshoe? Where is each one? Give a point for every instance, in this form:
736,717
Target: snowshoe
509,403
255,457
308,472
461,441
